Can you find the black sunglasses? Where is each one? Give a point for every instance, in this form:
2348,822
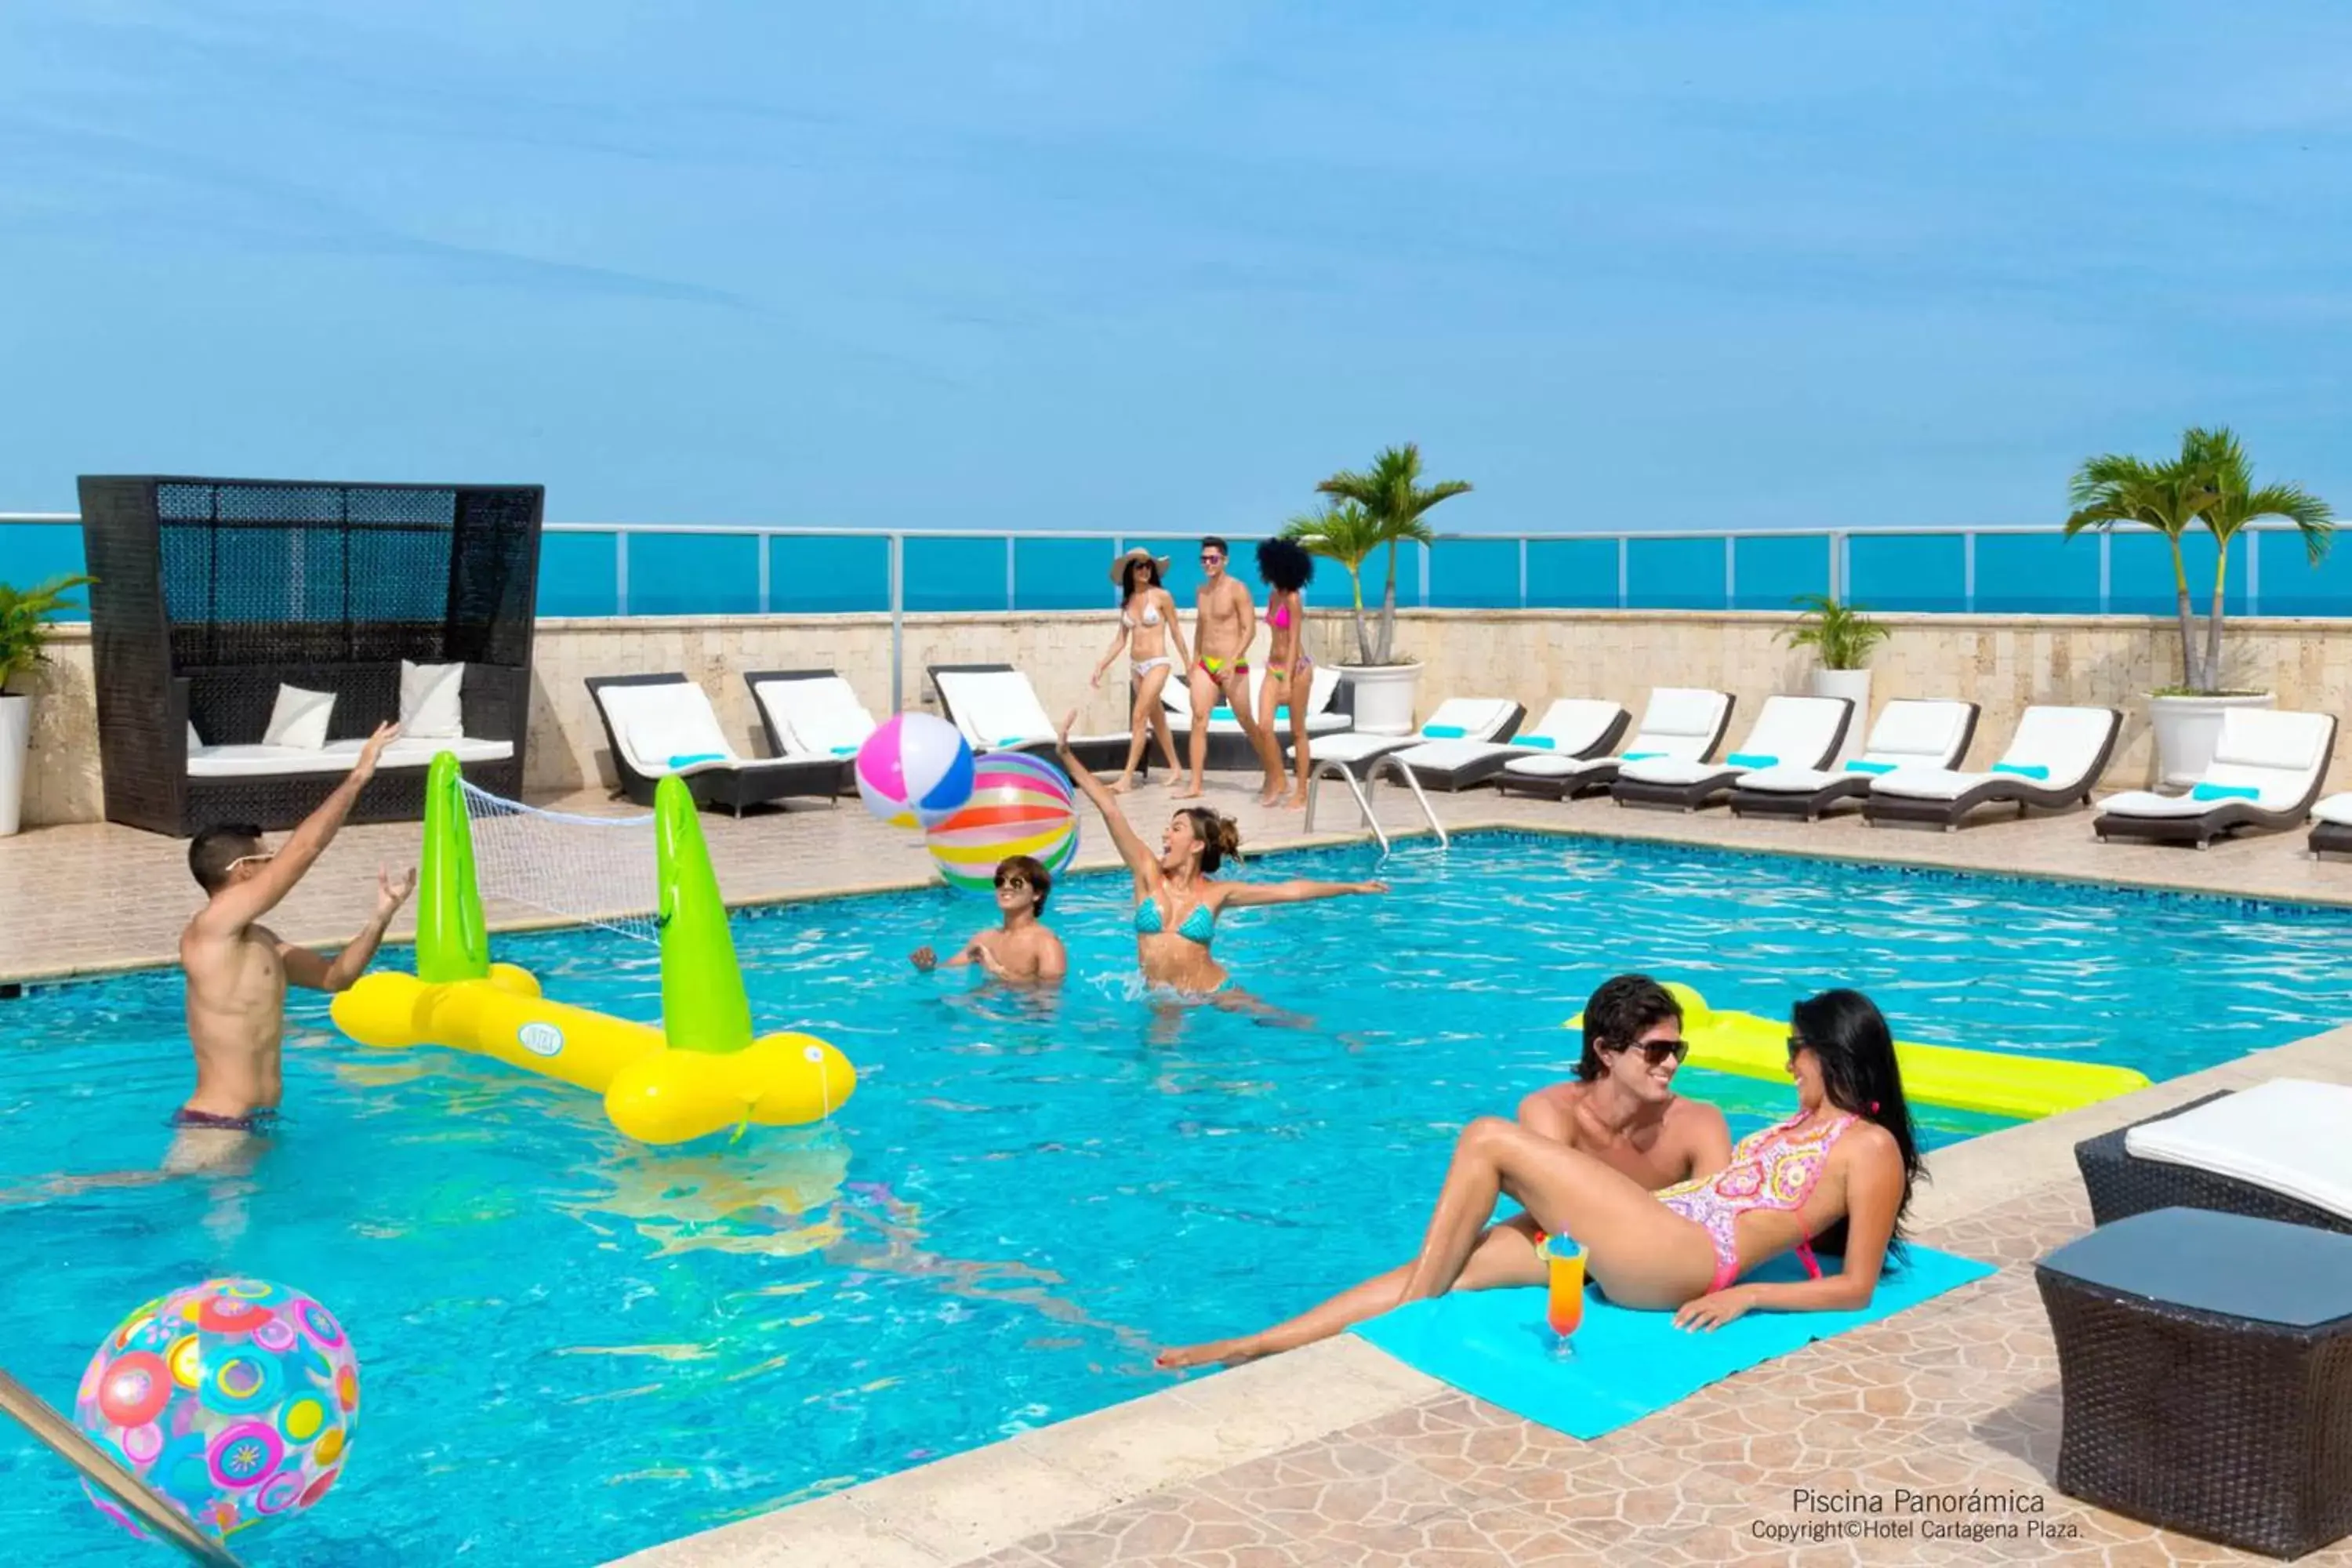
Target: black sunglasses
1015,880
1655,1052
1796,1045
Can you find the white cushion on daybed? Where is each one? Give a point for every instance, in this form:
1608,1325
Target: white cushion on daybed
431,700
1798,730
265,762
2277,753
2291,1135
816,716
2065,740
1678,722
297,719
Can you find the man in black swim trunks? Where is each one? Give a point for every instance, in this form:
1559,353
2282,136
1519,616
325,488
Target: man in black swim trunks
238,971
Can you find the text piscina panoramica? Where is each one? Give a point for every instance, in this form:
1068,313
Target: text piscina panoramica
1906,1501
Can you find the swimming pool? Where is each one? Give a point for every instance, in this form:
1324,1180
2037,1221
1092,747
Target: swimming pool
1022,1200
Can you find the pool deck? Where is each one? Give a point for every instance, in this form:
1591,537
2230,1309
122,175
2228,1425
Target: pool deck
1336,1454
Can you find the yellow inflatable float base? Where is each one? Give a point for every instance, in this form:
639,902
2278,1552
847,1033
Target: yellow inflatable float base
2025,1088
652,1091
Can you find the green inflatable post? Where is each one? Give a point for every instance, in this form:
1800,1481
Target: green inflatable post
452,941
703,1005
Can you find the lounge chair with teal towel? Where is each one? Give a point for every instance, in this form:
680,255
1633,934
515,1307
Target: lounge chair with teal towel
1803,732
2054,761
1571,727
1483,720
810,714
997,710
656,725
1684,723
2267,771
1910,733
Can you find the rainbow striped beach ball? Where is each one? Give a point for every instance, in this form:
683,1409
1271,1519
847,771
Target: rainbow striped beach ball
1020,806
914,771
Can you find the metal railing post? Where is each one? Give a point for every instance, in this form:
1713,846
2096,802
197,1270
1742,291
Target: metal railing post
1968,571
766,541
1730,572
2253,571
620,572
1523,570
1625,573
1012,588
2106,572
1838,567
897,622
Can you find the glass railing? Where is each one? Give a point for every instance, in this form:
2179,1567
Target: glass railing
660,570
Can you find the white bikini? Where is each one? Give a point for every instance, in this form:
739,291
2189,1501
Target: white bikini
1143,667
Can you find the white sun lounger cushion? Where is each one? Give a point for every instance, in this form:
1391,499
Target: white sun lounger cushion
998,708
817,717
1678,723
1572,725
1479,719
2058,744
2274,754
1910,733
2336,811
1797,730
2293,1136
668,720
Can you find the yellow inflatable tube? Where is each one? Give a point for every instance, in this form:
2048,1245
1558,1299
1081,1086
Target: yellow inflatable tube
2026,1088
652,1092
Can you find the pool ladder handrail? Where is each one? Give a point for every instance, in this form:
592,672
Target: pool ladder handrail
66,1440
1361,789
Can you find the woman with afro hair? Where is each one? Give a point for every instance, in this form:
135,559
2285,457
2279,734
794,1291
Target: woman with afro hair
1286,568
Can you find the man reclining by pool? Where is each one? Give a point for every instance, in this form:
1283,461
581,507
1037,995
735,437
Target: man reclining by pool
1841,1169
1619,1108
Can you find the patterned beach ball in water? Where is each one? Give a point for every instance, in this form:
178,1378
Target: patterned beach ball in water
236,1399
1020,806
914,771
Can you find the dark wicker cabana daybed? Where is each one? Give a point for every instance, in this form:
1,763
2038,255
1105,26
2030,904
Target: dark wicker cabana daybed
213,593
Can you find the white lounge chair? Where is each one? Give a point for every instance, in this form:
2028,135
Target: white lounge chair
656,725
2288,1136
1571,727
1805,731
2266,772
997,710
2331,830
1457,719
1910,733
809,714
2054,761
1682,721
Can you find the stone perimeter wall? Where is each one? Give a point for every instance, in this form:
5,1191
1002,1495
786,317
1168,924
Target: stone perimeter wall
1532,655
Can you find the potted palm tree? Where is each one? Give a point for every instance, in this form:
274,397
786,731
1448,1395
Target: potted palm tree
25,615
2211,483
1841,636
1386,504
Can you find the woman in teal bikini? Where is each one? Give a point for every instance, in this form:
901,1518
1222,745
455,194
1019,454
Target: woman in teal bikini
1178,898
1287,569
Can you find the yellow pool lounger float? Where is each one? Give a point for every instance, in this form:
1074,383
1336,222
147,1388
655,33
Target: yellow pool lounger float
1994,1082
701,1072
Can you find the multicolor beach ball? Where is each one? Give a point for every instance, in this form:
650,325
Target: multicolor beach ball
1020,806
914,770
236,1399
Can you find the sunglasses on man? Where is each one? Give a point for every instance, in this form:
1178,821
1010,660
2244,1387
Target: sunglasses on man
1014,879
1655,1052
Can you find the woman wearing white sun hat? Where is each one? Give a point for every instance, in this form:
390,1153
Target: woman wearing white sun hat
1148,628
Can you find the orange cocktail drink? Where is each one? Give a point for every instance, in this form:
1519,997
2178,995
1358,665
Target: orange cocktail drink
1564,1263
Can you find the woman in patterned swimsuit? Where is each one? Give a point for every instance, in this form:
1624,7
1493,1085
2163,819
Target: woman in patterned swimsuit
1840,1172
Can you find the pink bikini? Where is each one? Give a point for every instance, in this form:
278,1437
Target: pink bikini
1278,619
1773,1168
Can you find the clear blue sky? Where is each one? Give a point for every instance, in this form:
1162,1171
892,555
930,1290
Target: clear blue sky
1115,265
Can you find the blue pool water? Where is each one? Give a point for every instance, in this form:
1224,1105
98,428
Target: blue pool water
574,1347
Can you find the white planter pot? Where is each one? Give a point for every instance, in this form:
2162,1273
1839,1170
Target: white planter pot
1854,686
1384,696
2186,729
15,737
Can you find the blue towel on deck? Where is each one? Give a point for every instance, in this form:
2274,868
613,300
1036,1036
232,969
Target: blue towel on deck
1624,1364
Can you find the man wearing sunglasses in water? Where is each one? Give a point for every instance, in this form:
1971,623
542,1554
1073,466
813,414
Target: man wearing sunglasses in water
1619,1108
1021,949
238,970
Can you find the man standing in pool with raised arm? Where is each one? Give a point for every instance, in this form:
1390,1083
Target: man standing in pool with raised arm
1021,951
1224,624
238,971
1621,1108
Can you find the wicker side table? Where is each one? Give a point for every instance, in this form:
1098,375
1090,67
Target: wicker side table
2120,1185
2206,1360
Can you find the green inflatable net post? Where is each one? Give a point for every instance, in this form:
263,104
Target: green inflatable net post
453,943
704,1007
